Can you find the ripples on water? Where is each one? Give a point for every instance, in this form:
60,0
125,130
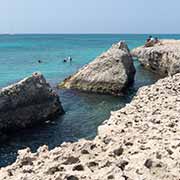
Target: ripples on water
84,111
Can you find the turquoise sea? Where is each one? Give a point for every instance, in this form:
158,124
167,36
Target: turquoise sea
84,111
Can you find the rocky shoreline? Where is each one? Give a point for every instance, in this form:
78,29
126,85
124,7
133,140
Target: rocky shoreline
140,141
27,102
162,58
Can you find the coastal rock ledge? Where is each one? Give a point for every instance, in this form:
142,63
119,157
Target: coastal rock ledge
27,102
163,58
110,73
140,141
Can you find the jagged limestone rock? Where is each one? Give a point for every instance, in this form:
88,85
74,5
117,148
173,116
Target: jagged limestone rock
162,58
110,73
27,102
140,141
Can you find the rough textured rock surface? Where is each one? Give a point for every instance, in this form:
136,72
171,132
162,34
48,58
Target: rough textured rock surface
109,73
163,58
139,142
27,102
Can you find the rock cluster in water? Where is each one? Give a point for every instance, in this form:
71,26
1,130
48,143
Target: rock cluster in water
162,58
110,73
27,102
140,141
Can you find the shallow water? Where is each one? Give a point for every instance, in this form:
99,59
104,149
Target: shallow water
84,111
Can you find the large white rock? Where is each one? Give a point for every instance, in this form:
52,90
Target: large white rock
111,72
162,58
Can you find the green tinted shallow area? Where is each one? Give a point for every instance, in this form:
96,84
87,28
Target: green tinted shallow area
19,55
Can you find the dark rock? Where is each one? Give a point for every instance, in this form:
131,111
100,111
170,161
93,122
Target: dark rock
122,164
72,178
118,151
53,170
71,160
78,167
84,151
93,146
158,155
110,177
148,163
92,164
170,152
28,102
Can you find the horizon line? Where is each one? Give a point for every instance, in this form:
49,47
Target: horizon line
89,33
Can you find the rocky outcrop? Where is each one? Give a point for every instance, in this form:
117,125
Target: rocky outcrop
163,58
110,73
140,141
27,102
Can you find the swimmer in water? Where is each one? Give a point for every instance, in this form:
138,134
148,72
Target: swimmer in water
65,60
39,61
70,58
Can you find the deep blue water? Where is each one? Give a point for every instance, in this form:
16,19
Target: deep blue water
84,112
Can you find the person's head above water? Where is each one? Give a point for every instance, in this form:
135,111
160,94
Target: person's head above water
39,61
70,58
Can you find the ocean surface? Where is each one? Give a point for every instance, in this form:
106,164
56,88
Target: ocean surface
19,55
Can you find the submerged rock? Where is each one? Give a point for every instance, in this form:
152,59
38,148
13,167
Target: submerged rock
163,58
110,73
27,102
141,143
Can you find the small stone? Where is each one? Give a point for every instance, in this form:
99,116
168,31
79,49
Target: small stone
78,168
92,164
128,144
71,160
171,124
118,151
52,170
158,155
72,178
170,152
9,171
110,177
93,146
148,163
122,164
84,151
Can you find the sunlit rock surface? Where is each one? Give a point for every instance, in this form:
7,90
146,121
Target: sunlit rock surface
163,58
140,141
110,73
